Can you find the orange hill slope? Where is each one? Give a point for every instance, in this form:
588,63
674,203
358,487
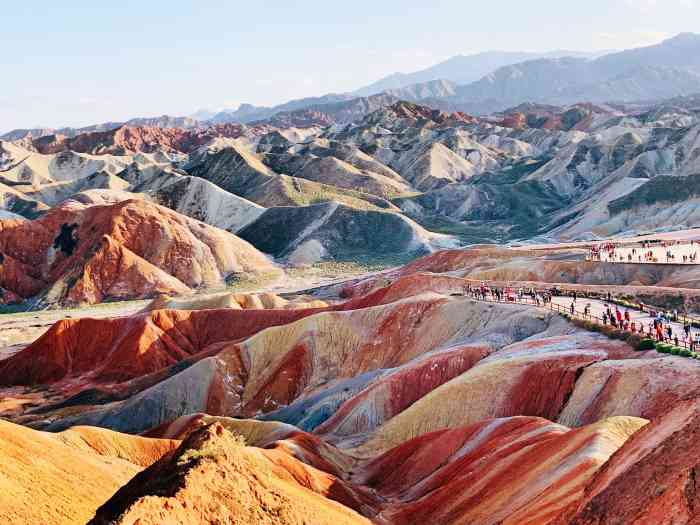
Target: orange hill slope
62,478
511,470
132,249
213,478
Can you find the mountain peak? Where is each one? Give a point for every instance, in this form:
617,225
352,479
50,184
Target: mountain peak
683,38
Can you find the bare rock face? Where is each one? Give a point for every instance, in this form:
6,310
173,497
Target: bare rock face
332,230
131,249
236,169
448,475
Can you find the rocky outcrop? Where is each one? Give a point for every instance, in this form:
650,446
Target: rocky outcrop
112,350
647,388
236,301
54,193
237,170
553,364
510,470
19,204
433,166
200,199
447,475
89,254
335,172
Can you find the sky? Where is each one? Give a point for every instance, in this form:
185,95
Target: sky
81,62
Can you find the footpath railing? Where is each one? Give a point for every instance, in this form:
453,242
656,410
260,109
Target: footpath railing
528,300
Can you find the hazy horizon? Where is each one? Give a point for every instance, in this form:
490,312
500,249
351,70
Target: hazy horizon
83,64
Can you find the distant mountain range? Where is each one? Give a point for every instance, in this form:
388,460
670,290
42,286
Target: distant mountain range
668,69
478,84
463,69
493,81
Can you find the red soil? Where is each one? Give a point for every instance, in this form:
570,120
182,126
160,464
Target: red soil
126,250
123,348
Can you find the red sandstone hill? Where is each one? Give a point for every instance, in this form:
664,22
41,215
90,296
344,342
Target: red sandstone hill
406,404
577,117
510,470
133,249
146,139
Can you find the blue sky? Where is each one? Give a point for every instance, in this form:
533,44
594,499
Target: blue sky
80,62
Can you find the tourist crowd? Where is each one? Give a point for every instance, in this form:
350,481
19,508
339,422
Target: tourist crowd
659,325
645,252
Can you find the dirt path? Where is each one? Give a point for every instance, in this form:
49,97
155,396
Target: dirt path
598,307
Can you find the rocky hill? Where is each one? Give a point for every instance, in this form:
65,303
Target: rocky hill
89,253
369,409
532,171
